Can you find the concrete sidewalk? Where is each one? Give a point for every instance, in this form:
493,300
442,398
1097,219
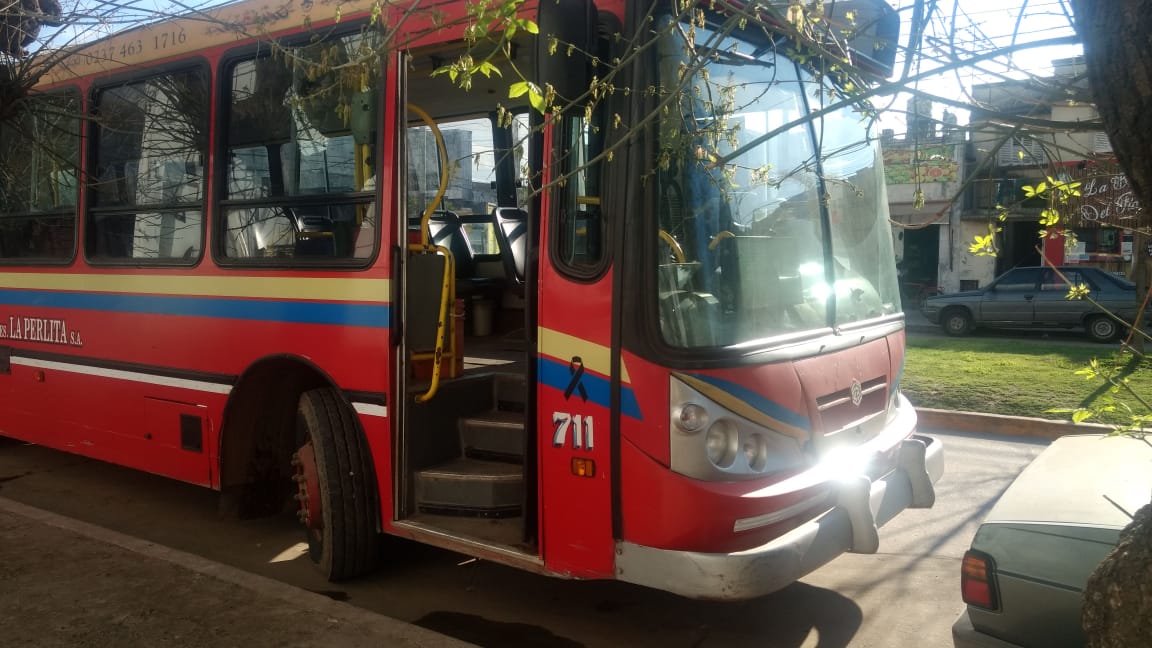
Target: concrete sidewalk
69,584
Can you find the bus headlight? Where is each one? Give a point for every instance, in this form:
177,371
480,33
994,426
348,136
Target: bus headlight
710,442
692,418
721,444
756,451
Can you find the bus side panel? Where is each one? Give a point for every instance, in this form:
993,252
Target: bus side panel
171,431
377,433
217,334
574,392
108,381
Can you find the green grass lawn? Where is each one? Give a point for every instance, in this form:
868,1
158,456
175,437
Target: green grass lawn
1017,377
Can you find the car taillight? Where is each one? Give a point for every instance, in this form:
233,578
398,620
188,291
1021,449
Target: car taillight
978,580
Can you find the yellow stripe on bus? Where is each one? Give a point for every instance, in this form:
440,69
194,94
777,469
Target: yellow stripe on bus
595,357
309,288
741,408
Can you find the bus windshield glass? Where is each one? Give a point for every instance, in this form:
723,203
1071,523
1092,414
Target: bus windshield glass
770,224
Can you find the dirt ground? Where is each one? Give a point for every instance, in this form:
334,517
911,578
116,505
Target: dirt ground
65,583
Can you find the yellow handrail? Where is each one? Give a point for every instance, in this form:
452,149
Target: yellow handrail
448,285
442,152
720,237
677,251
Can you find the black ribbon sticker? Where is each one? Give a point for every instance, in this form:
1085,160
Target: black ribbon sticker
576,369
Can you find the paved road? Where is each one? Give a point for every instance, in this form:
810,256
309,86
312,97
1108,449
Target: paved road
904,596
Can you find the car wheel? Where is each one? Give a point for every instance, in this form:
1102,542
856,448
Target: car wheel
956,321
1102,328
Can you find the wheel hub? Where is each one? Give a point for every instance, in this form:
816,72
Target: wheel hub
310,511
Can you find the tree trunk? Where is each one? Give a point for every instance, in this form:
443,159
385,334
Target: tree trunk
1118,596
1117,39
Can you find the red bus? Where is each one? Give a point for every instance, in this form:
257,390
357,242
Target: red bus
652,333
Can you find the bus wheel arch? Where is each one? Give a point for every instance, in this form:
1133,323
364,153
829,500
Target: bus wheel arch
275,404
257,435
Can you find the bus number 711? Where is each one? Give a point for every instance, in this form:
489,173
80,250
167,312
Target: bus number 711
582,430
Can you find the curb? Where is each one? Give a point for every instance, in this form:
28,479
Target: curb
392,631
1017,426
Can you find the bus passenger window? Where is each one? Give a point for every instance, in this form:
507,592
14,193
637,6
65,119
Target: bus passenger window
300,183
39,162
151,142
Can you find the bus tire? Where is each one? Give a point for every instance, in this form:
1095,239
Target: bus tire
336,490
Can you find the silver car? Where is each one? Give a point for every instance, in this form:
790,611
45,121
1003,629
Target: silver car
1024,576
1037,297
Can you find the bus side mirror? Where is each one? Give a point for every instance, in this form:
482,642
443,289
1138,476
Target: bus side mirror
571,22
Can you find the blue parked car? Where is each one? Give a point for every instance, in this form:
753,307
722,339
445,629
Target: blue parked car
1037,297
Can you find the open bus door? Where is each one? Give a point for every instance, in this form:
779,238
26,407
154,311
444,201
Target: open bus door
466,461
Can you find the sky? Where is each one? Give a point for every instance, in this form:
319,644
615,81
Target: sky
981,25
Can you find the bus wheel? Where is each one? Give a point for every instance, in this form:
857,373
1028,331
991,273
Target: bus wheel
334,487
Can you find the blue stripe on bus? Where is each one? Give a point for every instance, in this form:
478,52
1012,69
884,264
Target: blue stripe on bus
556,374
757,402
302,312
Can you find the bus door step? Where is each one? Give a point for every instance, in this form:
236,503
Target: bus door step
496,436
508,392
472,487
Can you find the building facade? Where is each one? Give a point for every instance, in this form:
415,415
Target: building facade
984,188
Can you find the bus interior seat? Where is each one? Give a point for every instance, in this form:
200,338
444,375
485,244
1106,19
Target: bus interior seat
512,228
316,236
445,229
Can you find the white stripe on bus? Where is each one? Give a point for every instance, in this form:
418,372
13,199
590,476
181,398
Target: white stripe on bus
119,374
368,409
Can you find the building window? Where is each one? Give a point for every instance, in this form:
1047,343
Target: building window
1101,143
1097,240
1021,151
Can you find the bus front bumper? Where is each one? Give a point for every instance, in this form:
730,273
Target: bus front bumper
851,526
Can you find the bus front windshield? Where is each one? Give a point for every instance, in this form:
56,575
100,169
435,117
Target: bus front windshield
763,236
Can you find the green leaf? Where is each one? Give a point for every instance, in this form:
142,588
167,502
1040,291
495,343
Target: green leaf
488,69
536,98
1078,291
518,89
